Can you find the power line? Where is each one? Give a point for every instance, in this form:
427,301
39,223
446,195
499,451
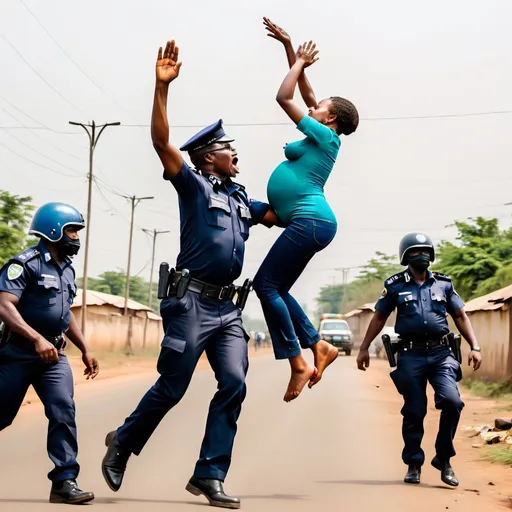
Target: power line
70,58
20,55
75,171
37,163
394,118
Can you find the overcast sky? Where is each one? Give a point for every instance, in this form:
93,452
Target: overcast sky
393,59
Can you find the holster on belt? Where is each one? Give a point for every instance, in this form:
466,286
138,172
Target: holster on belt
243,294
454,341
163,280
390,350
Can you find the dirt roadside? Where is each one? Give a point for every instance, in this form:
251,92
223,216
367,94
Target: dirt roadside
496,478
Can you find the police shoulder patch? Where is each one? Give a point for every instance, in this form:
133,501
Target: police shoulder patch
394,279
383,293
14,270
443,277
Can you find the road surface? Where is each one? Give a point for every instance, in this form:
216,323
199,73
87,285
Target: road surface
336,448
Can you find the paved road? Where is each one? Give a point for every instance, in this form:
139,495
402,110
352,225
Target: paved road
336,448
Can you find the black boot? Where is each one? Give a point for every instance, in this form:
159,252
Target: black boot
67,491
213,491
447,473
413,474
114,463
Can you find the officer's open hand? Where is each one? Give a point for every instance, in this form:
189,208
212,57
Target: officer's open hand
167,65
475,358
47,352
363,359
92,367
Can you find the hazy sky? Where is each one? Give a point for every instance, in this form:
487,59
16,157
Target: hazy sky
392,59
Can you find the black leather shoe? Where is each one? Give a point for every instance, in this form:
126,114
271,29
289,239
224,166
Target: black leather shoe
447,473
67,491
114,463
413,474
213,491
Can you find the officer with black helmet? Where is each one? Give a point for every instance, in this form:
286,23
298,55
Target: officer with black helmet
423,299
37,289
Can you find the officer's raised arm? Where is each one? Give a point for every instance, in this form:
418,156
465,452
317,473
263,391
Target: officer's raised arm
167,69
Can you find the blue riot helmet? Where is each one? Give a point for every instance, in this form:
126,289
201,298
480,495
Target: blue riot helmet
49,222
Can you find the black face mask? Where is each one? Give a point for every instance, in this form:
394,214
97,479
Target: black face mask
419,262
67,246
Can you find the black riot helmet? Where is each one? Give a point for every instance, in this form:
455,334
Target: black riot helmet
415,241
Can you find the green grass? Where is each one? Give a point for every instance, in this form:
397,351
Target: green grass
488,389
501,453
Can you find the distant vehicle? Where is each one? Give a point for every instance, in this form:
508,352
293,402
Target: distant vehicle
336,331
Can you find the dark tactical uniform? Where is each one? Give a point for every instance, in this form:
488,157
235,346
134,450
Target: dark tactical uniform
46,291
421,323
215,219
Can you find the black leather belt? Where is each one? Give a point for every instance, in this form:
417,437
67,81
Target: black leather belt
57,341
210,291
424,344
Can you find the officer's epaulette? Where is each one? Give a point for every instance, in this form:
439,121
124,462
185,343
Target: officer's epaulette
396,278
27,255
443,277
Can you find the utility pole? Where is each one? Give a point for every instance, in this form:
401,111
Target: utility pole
154,233
93,140
135,201
345,272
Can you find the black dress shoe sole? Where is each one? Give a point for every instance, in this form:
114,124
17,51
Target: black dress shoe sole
55,498
407,481
197,492
437,466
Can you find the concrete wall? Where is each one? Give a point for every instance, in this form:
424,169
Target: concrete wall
110,331
494,333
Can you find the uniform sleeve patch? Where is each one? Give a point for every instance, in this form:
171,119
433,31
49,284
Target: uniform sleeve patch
383,293
14,271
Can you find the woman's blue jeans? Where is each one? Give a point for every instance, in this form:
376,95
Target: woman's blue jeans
287,323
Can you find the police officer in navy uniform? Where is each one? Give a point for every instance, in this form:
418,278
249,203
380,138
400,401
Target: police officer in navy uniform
423,299
215,215
37,288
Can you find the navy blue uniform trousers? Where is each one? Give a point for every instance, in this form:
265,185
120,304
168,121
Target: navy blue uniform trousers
414,369
20,368
192,326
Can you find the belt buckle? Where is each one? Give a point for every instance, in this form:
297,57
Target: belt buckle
221,295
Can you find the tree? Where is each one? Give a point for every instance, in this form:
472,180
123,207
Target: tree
366,287
113,283
477,264
15,215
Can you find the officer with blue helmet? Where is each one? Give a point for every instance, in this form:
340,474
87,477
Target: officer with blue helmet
198,312
423,299
37,288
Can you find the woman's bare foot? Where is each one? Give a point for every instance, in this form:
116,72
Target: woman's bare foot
325,354
301,374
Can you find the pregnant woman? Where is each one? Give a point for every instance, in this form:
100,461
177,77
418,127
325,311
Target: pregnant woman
296,193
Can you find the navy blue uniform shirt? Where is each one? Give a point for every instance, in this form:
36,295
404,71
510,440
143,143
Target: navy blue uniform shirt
215,217
46,289
421,309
